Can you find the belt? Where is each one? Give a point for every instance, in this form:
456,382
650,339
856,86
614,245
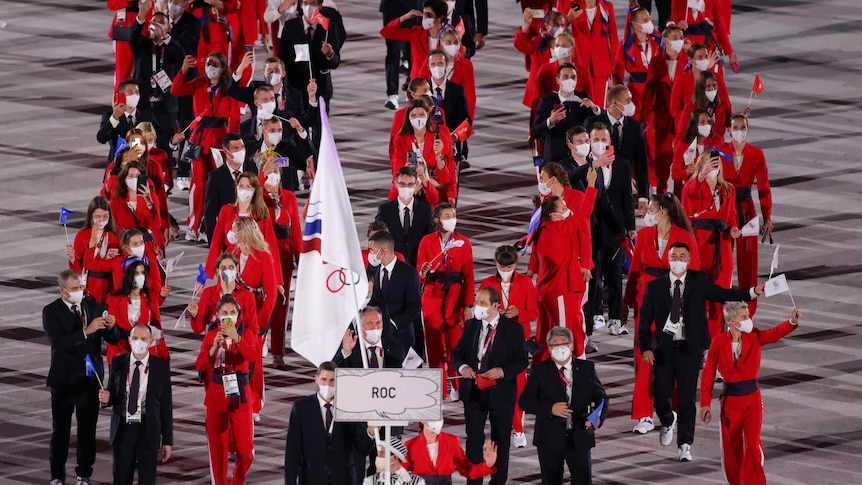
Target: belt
705,29
241,380
716,226
437,479
98,274
637,77
741,388
448,278
656,271
282,231
742,194
212,122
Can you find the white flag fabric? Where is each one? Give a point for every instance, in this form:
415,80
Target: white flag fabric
752,227
690,153
301,53
171,264
774,264
775,286
218,160
330,282
412,361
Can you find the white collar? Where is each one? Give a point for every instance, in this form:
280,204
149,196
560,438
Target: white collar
402,205
674,278
389,267
434,85
493,321
614,120
567,365
321,403
144,362
570,97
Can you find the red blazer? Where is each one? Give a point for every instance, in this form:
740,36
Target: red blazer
398,122
522,295
530,44
581,204
677,169
259,272
683,90
219,105
118,306
219,244
462,75
115,5
630,60
457,260
711,14
753,167
562,249
646,256
154,173
720,357
404,143
450,457
599,42
417,37
213,32
237,359
698,203
142,218
91,259
656,102
161,164
720,118
209,300
286,223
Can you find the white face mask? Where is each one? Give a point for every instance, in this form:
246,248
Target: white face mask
678,267
373,336
437,72
419,123
710,95
76,297
505,275
599,148
562,52
150,146
212,72
405,193
746,326
244,195
556,31
712,174
273,78
327,392
138,251
561,354
308,10
449,224
427,23
702,64
231,237
238,156
132,184
583,149
139,347
228,275
739,135
140,279
265,110
676,45
175,10
629,109
544,189
480,312
452,49
132,100
704,130
373,259
273,179
567,214
104,223
647,27
435,426
649,220
568,85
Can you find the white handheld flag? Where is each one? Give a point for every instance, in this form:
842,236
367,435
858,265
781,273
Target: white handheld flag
752,227
775,286
218,160
774,264
301,53
412,361
690,153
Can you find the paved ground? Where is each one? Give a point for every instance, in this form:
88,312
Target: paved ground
55,79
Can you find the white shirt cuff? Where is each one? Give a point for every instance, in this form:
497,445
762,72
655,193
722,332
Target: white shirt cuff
548,123
462,367
236,77
114,122
314,104
643,199
752,293
303,134
345,355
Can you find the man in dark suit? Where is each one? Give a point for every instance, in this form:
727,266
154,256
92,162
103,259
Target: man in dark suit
490,353
395,50
449,96
323,47
75,327
123,116
221,182
409,219
627,136
318,449
289,102
561,392
476,12
142,423
557,112
288,145
395,290
676,304
381,347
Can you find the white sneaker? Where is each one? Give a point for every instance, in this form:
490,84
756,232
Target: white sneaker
183,183
191,235
615,327
665,436
590,346
56,481
453,395
644,426
599,322
256,417
202,236
519,440
684,453
392,102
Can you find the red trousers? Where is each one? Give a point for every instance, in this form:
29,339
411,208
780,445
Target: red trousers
241,427
746,265
660,172
518,418
741,421
642,403
280,312
441,336
200,170
125,62
714,315
564,311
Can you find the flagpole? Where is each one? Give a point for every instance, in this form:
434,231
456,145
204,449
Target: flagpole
750,96
67,234
791,296
361,340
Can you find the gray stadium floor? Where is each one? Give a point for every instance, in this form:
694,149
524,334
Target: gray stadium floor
55,80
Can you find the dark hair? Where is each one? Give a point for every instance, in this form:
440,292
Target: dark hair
229,137
493,294
680,244
329,366
438,6
128,234
668,202
224,77
406,170
260,89
228,300
224,256
100,202
694,48
128,281
407,127
369,309
121,190
506,255
566,65
440,52
554,169
615,92
698,97
669,29
439,208
575,130
599,126
376,226
549,206
739,117
413,84
382,238
125,82
691,129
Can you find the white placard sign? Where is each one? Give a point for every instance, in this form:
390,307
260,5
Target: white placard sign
395,395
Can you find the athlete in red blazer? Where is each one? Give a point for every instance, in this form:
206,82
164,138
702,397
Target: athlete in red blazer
535,39
145,215
203,311
417,87
125,13
683,86
706,26
682,166
94,250
149,314
634,56
598,39
214,27
450,457
224,222
421,41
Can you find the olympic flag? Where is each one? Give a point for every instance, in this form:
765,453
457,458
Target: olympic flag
330,281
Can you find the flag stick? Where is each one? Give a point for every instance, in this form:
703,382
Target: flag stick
67,233
791,296
360,339
326,40
749,98
310,74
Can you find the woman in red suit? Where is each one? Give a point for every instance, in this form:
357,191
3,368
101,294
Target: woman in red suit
445,262
203,311
94,250
535,40
134,206
705,22
215,36
595,29
135,303
218,113
706,96
284,212
422,38
634,54
563,248
666,224
229,347
436,456
134,246
417,89
710,203
460,70
122,156
697,138
418,135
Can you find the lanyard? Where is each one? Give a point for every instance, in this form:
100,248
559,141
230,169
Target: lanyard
566,381
446,251
487,343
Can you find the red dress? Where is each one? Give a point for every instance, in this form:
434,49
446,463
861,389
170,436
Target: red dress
93,264
709,27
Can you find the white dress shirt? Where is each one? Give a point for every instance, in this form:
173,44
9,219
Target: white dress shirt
322,405
144,378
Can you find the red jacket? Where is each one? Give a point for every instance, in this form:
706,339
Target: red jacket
450,457
92,259
456,259
143,219
209,300
417,37
219,105
398,123
259,273
118,306
677,170
599,41
656,102
646,257
630,59
219,244
286,223
720,117
720,357
462,75
697,199
537,48
237,359
683,90
130,8
562,249
522,295
699,21
214,28
753,167
405,143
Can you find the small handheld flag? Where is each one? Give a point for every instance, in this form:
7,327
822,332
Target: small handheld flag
170,265
319,19
91,370
302,54
777,285
596,415
756,88
121,145
412,361
464,131
752,227
202,275
64,216
535,219
774,264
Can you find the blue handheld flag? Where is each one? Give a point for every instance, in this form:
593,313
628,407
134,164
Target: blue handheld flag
64,214
202,275
121,145
596,415
91,370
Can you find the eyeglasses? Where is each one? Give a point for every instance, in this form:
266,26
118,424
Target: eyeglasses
559,345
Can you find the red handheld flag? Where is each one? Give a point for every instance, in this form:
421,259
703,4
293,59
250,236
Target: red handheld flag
757,87
460,29
319,19
464,131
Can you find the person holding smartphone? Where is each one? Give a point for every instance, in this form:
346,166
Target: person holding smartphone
95,246
134,206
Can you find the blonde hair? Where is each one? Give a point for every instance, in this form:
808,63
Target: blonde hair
251,232
719,179
146,127
257,208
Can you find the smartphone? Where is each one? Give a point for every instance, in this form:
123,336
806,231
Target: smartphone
576,7
142,181
714,154
411,159
201,61
249,48
120,98
537,13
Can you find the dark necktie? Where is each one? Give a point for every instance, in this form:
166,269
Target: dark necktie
406,221
676,302
372,358
309,32
615,134
483,365
385,282
328,407
236,174
439,93
131,120
134,389
77,312
278,102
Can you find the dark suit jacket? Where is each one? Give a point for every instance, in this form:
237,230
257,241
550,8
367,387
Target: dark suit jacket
108,134
656,308
312,456
506,351
221,190
617,209
393,354
401,303
422,225
294,34
295,104
187,31
544,388
69,347
555,138
632,148
292,147
158,411
169,58
454,104
602,209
